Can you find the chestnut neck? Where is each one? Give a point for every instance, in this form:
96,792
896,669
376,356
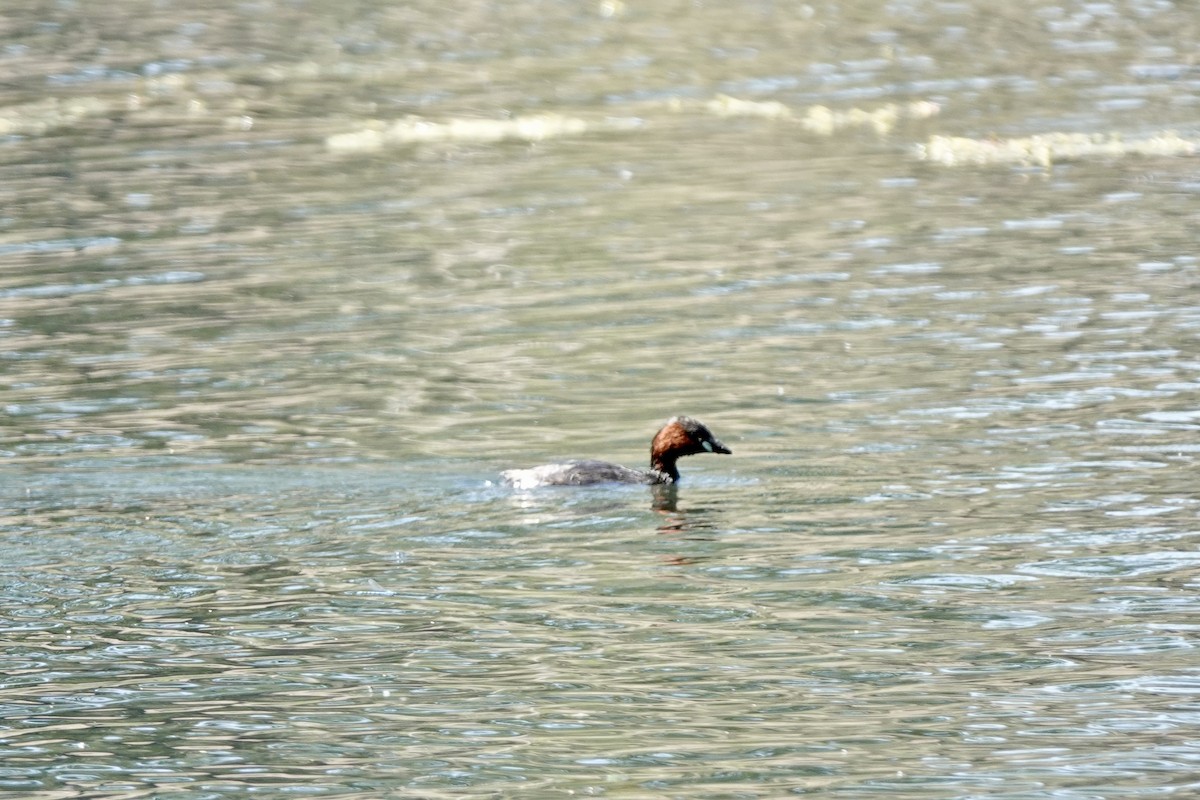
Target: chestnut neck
665,463
669,444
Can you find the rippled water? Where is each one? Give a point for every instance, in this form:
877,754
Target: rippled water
284,286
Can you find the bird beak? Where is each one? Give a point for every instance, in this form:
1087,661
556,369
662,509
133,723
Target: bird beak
715,446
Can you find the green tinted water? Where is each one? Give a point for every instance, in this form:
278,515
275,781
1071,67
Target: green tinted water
257,390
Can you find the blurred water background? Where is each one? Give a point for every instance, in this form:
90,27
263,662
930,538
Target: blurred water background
284,284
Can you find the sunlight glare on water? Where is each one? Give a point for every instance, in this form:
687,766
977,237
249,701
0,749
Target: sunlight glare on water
284,287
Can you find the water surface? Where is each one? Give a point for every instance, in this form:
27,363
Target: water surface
283,287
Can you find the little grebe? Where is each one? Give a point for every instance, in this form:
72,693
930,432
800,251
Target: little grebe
681,436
